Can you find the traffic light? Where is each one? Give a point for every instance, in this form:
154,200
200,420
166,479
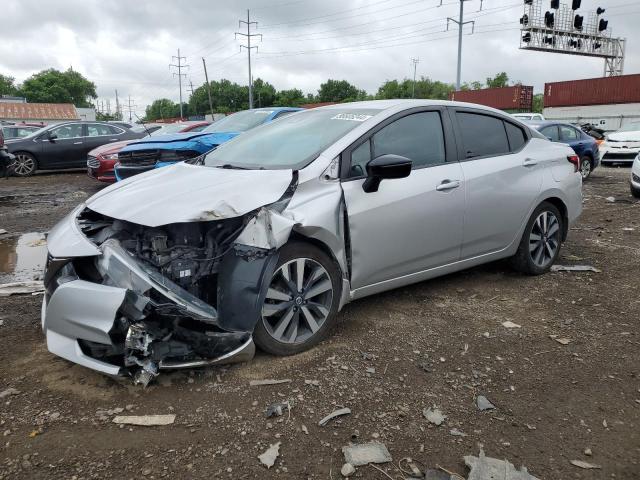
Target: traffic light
526,37
555,4
575,5
578,21
602,25
549,19
524,20
600,10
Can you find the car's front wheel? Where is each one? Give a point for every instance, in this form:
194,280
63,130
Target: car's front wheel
585,167
540,244
24,165
301,301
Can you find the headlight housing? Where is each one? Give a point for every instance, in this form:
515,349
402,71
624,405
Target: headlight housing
110,156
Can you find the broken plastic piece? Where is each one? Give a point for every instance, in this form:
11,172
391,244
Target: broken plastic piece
486,468
268,458
365,453
145,420
574,268
332,415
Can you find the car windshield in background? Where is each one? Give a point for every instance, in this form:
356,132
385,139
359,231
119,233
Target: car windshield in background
290,143
169,128
239,122
631,127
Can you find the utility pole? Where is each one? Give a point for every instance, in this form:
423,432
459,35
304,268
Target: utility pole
179,66
248,46
118,117
415,64
109,106
206,77
461,23
190,87
130,108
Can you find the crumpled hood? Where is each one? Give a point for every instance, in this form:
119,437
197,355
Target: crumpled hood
633,136
109,148
198,142
189,193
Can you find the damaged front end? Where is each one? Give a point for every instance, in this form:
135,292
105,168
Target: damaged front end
152,298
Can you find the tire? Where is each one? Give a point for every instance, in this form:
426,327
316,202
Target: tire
24,165
586,167
635,192
292,321
535,256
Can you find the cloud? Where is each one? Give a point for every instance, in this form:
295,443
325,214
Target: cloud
128,45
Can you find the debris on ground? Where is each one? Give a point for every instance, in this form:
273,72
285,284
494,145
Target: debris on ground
433,474
412,468
585,465
434,415
332,415
487,468
347,470
483,403
278,409
2,231
610,199
457,433
574,268
510,324
372,452
305,430
268,458
21,288
9,391
562,340
588,452
258,383
145,420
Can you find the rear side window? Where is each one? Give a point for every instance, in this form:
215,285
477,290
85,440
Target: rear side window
115,130
551,133
482,135
516,136
568,133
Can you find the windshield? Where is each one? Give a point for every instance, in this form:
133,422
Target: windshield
239,122
290,143
631,127
169,128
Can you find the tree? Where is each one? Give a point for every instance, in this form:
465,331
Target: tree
538,103
424,88
7,86
161,108
264,94
54,86
499,81
290,98
338,91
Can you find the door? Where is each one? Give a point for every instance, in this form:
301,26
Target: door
63,147
502,180
573,138
410,224
551,132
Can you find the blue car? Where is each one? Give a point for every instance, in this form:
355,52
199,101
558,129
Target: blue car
584,145
162,150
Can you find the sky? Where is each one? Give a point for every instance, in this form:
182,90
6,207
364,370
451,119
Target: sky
129,45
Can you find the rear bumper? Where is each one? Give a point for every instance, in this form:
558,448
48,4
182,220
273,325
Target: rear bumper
618,155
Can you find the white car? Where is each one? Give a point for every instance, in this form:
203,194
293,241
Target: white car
536,117
635,178
621,146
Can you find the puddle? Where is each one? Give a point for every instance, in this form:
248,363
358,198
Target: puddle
22,258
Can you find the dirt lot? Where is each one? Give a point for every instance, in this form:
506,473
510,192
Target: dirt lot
436,343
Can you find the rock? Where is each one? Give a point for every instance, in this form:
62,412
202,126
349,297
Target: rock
486,468
510,324
277,409
9,391
268,458
563,341
483,403
145,420
434,416
371,370
315,383
372,452
588,452
305,430
332,415
585,465
258,383
347,470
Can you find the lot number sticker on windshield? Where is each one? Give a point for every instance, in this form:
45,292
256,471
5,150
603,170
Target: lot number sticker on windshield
351,116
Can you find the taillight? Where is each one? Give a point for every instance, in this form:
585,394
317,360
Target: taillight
575,159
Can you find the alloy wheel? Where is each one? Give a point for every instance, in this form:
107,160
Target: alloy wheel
23,165
298,301
544,239
585,168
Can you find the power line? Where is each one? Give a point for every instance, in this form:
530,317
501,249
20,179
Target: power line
179,66
248,46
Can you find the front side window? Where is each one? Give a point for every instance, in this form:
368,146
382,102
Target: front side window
568,134
482,135
73,130
290,143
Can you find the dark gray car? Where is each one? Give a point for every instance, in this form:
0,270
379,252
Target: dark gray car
63,145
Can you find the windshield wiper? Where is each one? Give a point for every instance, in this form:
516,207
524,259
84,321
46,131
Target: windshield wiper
232,167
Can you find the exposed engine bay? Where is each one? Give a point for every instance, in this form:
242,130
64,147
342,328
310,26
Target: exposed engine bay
170,315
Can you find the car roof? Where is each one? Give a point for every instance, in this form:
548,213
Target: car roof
407,103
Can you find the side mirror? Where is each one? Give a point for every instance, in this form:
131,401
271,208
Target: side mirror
51,136
385,167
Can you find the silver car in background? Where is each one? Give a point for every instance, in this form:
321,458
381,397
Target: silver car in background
267,237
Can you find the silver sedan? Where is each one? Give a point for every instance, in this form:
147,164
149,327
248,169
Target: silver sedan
263,240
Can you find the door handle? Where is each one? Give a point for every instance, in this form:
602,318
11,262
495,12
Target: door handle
113,139
529,162
448,185
77,143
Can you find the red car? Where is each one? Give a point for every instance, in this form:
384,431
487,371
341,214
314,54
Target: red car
101,160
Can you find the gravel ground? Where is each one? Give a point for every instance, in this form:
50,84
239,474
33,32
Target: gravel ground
438,343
